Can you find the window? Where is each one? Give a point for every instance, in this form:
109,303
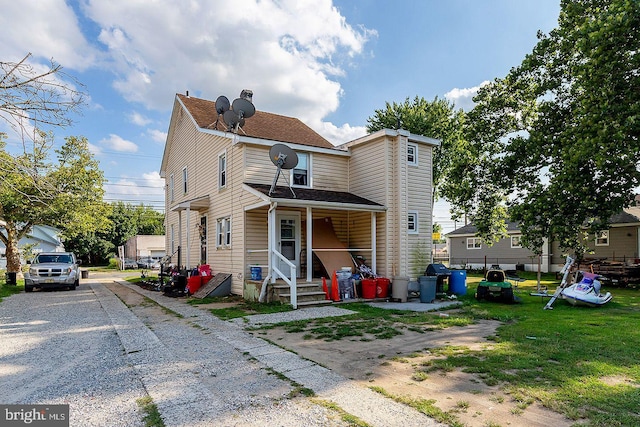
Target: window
171,183
412,154
223,232
184,180
602,238
301,174
222,170
412,222
172,237
516,242
474,243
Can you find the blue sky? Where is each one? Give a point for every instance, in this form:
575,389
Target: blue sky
329,63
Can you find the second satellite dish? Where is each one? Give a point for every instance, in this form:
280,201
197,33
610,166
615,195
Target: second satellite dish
283,156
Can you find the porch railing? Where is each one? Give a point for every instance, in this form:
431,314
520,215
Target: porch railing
292,281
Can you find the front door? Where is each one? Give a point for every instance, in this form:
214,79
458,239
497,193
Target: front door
288,235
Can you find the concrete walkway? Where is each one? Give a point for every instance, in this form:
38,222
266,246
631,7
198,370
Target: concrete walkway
196,404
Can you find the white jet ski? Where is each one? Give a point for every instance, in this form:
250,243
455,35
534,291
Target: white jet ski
586,292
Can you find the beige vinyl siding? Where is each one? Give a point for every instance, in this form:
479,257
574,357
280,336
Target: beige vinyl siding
330,172
419,185
257,167
370,169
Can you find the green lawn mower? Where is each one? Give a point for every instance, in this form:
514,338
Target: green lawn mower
495,287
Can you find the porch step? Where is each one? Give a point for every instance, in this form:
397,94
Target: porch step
307,294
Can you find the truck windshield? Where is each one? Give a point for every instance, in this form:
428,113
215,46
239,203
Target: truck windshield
41,259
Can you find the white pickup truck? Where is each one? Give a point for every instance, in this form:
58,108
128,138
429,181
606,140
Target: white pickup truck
53,270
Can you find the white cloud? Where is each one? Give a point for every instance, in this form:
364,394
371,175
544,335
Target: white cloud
138,119
117,143
288,52
463,98
157,135
338,135
49,28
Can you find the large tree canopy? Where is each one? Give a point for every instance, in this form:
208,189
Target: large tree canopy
65,193
435,119
555,144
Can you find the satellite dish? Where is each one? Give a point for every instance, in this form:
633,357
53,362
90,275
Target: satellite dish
243,107
222,104
284,158
232,119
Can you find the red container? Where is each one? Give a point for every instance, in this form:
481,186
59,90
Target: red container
194,283
382,287
369,287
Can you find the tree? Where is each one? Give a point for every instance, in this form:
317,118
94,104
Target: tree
125,221
31,100
435,119
555,145
66,193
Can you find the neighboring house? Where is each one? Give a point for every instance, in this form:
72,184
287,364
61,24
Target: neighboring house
620,242
43,237
143,246
374,193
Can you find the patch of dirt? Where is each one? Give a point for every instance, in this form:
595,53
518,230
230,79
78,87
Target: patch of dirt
392,364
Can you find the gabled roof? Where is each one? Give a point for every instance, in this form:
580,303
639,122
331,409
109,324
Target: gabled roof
629,216
261,125
471,229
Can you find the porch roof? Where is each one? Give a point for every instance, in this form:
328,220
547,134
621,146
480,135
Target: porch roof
197,204
314,198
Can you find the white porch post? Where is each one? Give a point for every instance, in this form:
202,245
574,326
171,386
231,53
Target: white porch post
188,263
272,242
374,251
180,236
309,244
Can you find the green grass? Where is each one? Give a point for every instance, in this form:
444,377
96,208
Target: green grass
152,416
8,290
579,361
247,308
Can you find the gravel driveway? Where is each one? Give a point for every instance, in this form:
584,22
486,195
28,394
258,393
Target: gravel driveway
90,350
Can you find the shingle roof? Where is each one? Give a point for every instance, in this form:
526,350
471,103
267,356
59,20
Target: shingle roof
282,192
472,229
261,125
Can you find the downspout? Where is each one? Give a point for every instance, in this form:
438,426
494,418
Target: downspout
270,238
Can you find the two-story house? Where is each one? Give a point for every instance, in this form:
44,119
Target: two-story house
371,196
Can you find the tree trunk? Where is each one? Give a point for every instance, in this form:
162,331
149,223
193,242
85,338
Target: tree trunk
13,253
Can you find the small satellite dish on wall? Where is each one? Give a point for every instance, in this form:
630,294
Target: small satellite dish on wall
284,158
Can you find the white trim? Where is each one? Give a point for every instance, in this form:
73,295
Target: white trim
172,183
185,180
222,155
602,233
416,229
309,172
519,237
413,162
474,240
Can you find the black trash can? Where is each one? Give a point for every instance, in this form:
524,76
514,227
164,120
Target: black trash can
11,278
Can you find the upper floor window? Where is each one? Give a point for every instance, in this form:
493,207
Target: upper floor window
222,170
171,186
184,180
412,154
474,243
516,242
412,222
602,238
301,174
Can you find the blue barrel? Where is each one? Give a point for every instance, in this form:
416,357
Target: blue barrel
256,273
458,282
